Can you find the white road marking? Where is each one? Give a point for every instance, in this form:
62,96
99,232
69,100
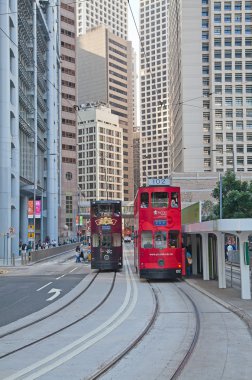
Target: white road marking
87,340
49,283
63,275
57,293
73,270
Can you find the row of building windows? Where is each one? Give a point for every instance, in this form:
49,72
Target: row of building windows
227,89
237,77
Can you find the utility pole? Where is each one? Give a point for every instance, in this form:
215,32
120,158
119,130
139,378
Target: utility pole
220,196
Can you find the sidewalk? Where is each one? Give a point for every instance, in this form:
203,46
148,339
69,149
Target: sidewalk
230,298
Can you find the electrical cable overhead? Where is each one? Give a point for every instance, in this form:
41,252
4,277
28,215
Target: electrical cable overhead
48,6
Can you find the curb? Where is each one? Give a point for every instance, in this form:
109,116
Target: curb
229,306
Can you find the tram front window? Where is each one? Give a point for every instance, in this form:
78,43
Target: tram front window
106,241
105,210
159,199
160,240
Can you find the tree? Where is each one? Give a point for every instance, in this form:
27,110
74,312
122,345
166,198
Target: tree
236,197
207,211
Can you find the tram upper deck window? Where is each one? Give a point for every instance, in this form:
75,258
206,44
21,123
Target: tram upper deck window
160,239
105,210
174,200
159,199
144,200
146,239
174,239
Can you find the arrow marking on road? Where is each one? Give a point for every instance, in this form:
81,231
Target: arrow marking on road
57,293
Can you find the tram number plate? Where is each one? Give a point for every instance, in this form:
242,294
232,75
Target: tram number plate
178,270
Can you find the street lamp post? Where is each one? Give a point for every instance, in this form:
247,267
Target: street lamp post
221,183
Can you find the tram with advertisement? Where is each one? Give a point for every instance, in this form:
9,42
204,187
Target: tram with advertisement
106,235
158,252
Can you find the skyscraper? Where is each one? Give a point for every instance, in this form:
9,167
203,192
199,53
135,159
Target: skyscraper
211,85
154,129
68,142
105,75
113,14
29,122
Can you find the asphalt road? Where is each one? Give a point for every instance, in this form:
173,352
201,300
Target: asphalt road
27,292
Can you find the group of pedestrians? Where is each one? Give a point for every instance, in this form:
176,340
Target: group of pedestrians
81,253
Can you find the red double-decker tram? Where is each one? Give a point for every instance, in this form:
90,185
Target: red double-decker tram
106,235
158,252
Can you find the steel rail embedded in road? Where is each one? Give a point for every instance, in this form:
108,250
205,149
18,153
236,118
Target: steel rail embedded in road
132,345
49,314
190,350
66,326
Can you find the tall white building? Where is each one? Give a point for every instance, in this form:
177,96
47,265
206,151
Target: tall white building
100,153
113,14
29,122
154,130
211,85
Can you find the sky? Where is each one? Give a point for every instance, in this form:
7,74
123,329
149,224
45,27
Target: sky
132,34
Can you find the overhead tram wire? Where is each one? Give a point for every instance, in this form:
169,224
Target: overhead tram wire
49,6
161,103
142,47
47,80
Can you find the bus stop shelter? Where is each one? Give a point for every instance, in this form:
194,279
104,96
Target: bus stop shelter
241,228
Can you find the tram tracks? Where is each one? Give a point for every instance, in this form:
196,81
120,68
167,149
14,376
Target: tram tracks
41,366
29,324
2,356
194,341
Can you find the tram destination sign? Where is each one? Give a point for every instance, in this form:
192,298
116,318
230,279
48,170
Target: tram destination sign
158,182
160,222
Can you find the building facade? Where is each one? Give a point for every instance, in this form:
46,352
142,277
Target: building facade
136,158
103,12
69,191
154,129
216,38
29,167
100,153
105,75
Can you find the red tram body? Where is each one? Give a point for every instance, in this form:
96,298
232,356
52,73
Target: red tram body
158,252
106,235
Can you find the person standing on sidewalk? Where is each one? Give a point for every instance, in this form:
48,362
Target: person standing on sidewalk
188,262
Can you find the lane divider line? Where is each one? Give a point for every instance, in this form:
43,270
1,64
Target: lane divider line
49,283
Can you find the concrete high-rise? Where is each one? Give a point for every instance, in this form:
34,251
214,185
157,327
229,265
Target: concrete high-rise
154,130
100,153
29,122
210,60
113,14
105,75
69,190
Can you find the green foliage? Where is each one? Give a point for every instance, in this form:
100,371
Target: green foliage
236,197
208,211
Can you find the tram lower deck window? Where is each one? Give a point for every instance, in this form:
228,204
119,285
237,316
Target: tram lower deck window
146,239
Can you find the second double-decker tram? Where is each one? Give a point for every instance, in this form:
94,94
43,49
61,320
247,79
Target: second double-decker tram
158,252
106,235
